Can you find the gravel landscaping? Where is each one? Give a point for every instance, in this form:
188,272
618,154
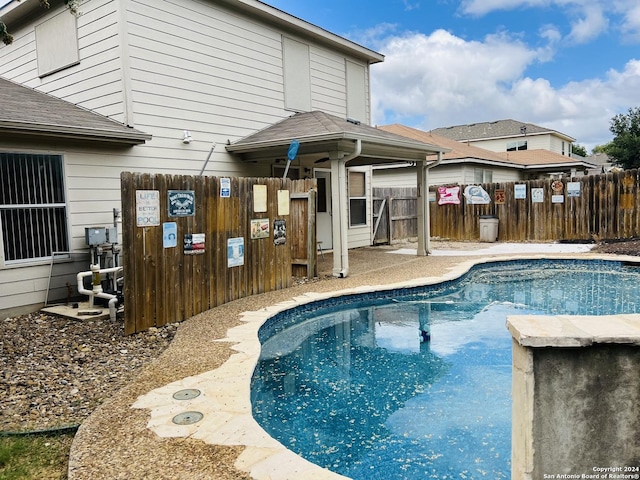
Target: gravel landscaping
55,371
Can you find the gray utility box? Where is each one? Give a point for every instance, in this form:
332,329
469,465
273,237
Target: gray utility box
488,228
100,235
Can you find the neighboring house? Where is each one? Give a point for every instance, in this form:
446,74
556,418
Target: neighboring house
187,80
602,163
468,164
509,136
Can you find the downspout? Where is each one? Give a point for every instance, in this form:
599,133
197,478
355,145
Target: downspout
344,241
428,212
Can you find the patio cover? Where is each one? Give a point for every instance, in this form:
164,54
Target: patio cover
327,140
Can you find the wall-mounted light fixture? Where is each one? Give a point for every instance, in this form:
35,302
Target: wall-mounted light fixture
186,137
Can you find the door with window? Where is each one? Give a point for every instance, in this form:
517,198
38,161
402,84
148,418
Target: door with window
324,231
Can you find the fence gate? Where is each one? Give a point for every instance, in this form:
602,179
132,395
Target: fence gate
395,217
192,243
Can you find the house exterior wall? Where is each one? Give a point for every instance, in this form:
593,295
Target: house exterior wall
96,82
92,184
462,174
549,142
219,75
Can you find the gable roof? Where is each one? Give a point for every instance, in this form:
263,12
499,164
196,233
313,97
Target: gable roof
320,133
27,111
460,151
497,129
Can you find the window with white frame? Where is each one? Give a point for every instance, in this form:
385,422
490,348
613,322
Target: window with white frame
482,175
33,210
514,146
357,199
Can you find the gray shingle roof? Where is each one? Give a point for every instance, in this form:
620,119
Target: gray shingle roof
24,110
311,126
320,133
497,129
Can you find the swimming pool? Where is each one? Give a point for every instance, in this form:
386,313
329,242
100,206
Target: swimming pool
348,383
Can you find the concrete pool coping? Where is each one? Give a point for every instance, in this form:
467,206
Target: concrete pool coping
224,398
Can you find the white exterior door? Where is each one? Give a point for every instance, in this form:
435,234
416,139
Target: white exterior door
323,214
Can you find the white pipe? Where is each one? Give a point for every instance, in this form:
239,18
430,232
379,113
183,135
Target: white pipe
428,212
344,241
97,292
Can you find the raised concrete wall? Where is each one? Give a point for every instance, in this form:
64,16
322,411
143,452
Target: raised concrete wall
576,397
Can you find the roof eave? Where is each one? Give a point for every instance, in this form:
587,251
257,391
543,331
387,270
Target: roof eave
290,22
250,147
495,163
75,133
558,165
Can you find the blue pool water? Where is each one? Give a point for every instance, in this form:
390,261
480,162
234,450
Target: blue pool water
349,385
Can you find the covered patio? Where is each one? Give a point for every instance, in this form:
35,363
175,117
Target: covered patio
327,141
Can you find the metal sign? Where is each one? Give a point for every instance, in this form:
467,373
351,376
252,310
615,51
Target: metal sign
182,203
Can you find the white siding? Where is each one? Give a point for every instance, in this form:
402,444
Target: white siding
534,142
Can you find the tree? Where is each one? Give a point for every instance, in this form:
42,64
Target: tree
601,148
74,8
624,149
578,150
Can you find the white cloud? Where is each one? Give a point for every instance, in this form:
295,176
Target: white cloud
483,7
437,80
591,24
587,19
630,10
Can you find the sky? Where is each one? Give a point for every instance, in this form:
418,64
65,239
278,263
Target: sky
569,65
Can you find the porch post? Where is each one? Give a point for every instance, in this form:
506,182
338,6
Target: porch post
423,209
339,219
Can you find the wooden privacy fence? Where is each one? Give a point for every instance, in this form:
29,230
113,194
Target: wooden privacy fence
192,243
598,207
394,215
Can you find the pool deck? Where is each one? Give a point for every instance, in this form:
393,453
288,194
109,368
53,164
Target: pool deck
133,435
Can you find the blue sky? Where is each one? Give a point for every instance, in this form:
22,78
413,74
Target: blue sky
570,65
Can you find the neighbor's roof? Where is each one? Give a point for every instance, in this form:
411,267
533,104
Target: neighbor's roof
320,133
458,150
24,110
543,158
497,129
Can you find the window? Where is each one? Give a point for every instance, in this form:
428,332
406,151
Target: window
57,43
356,92
357,199
513,146
297,75
33,212
482,176
293,173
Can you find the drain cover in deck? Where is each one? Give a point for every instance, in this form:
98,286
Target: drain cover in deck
187,394
188,418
